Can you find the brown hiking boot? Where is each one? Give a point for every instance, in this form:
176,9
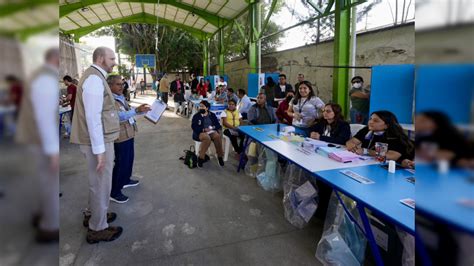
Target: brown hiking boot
108,234
45,236
111,216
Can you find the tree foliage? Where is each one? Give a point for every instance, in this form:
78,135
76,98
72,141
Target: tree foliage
177,49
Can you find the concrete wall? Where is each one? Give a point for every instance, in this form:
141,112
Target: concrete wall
386,46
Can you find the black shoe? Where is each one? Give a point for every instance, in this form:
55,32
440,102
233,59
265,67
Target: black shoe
109,234
132,183
119,198
221,161
206,158
45,236
200,162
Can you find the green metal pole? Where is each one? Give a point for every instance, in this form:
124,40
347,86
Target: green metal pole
205,62
255,28
221,51
341,54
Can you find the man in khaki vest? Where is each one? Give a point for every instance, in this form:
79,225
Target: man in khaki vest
38,127
95,127
124,145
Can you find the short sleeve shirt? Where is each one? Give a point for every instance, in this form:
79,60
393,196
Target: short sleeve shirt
309,109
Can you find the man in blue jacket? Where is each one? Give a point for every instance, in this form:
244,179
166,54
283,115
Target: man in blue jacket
206,128
261,113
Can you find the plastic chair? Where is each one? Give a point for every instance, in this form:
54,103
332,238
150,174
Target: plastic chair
226,147
197,145
355,128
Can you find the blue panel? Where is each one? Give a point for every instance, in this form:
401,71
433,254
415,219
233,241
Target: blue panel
446,88
252,85
392,89
274,76
145,59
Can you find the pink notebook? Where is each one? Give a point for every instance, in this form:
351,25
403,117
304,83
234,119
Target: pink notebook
343,156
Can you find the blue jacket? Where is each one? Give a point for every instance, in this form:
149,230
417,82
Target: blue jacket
198,124
254,113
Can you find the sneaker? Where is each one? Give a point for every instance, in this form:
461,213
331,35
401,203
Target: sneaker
132,183
108,234
46,236
221,161
200,162
111,216
119,198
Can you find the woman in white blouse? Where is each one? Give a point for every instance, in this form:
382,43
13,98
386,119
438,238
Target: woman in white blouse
305,107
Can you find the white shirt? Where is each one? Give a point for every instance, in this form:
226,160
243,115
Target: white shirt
93,97
244,104
283,88
44,98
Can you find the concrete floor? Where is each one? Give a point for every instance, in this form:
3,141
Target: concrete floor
182,216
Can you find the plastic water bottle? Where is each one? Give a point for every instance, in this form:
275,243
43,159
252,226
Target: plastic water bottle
278,129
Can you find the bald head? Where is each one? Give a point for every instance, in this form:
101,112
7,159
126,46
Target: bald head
105,58
52,56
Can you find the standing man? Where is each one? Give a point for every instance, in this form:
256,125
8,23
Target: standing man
244,103
142,87
95,127
38,127
164,88
194,83
124,145
71,92
282,88
360,101
300,79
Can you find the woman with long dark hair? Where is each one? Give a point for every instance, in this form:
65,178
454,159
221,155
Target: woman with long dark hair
383,127
202,88
305,107
332,127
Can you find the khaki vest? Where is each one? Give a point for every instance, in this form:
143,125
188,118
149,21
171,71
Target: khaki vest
110,119
27,128
127,131
232,117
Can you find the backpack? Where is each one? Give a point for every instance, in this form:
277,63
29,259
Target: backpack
190,158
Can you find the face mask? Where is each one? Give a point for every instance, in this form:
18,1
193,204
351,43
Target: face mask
202,111
288,98
357,85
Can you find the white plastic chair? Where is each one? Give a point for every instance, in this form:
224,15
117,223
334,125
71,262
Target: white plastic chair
226,147
355,128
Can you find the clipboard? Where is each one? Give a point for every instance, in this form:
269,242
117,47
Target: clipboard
157,109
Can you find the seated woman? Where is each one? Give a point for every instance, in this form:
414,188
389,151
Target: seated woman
305,108
231,120
383,127
206,128
438,139
332,127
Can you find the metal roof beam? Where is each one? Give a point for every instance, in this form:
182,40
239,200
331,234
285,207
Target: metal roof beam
213,19
137,18
9,7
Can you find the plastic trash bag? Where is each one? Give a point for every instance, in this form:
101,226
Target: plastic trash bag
253,151
300,196
408,242
269,171
342,242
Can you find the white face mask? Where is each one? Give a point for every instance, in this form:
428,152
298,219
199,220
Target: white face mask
357,85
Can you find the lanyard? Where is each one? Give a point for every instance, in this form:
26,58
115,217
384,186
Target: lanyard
300,107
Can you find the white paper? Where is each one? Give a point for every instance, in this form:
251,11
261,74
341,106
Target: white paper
156,111
357,177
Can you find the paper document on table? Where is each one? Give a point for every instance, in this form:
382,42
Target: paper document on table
157,109
316,143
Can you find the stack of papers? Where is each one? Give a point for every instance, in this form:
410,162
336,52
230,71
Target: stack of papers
316,143
343,156
325,151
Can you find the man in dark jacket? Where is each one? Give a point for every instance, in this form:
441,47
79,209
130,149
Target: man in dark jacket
206,128
282,87
194,83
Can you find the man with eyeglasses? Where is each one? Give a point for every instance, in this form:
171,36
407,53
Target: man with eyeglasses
124,145
360,100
